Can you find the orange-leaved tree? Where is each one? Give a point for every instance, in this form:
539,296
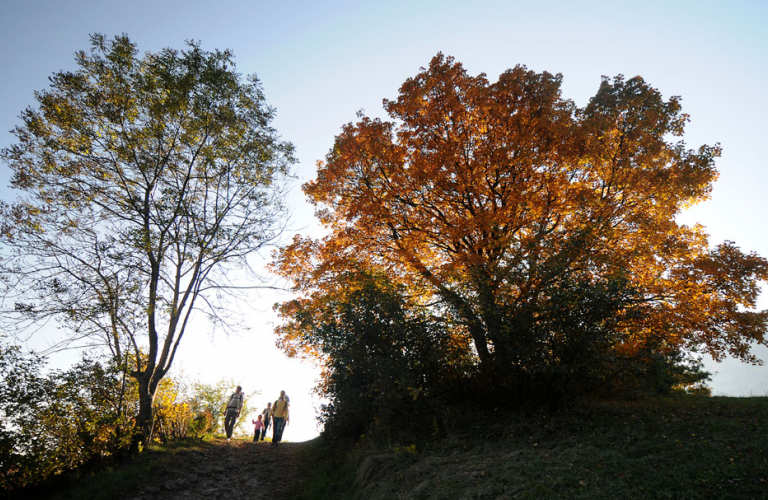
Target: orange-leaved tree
546,231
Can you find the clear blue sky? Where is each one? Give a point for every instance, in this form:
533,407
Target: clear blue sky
321,61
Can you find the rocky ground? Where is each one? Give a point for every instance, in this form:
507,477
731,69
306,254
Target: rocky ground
227,470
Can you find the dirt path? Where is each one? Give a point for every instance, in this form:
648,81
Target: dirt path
226,470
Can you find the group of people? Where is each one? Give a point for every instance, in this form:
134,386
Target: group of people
276,415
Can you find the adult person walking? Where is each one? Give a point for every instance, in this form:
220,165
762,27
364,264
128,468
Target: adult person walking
266,417
234,405
280,417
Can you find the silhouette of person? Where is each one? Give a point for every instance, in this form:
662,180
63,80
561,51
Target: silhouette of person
280,417
234,405
267,418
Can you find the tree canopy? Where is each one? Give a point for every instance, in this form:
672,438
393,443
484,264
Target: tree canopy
544,231
144,181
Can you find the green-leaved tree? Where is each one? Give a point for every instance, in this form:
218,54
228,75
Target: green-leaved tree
145,181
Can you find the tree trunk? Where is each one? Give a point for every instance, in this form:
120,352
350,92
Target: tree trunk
143,429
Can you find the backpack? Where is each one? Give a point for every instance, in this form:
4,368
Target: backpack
234,400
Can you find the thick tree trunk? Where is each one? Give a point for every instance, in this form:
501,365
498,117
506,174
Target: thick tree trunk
143,429
481,344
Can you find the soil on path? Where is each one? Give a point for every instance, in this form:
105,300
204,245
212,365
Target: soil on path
226,470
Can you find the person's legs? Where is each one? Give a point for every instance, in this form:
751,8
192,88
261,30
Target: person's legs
280,431
264,432
277,429
229,422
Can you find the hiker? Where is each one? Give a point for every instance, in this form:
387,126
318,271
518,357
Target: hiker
259,428
234,405
267,418
280,417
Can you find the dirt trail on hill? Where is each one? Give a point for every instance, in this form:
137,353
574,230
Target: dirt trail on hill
226,470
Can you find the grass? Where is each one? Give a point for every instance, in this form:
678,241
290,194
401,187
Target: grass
680,447
115,479
326,473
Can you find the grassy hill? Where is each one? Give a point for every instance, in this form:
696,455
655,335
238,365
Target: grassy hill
189,469
680,447
686,447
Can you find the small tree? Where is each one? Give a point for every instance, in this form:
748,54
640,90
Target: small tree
212,400
173,415
209,405
145,181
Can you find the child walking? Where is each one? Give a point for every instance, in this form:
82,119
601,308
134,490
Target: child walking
258,429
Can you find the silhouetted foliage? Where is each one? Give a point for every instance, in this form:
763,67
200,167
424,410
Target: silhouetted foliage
61,421
385,355
80,419
23,395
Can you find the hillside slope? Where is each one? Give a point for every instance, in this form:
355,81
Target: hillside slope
194,470
683,447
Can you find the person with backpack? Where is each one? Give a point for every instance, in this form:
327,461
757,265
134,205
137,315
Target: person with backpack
280,417
267,418
234,405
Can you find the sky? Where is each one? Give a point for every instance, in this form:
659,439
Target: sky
321,62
